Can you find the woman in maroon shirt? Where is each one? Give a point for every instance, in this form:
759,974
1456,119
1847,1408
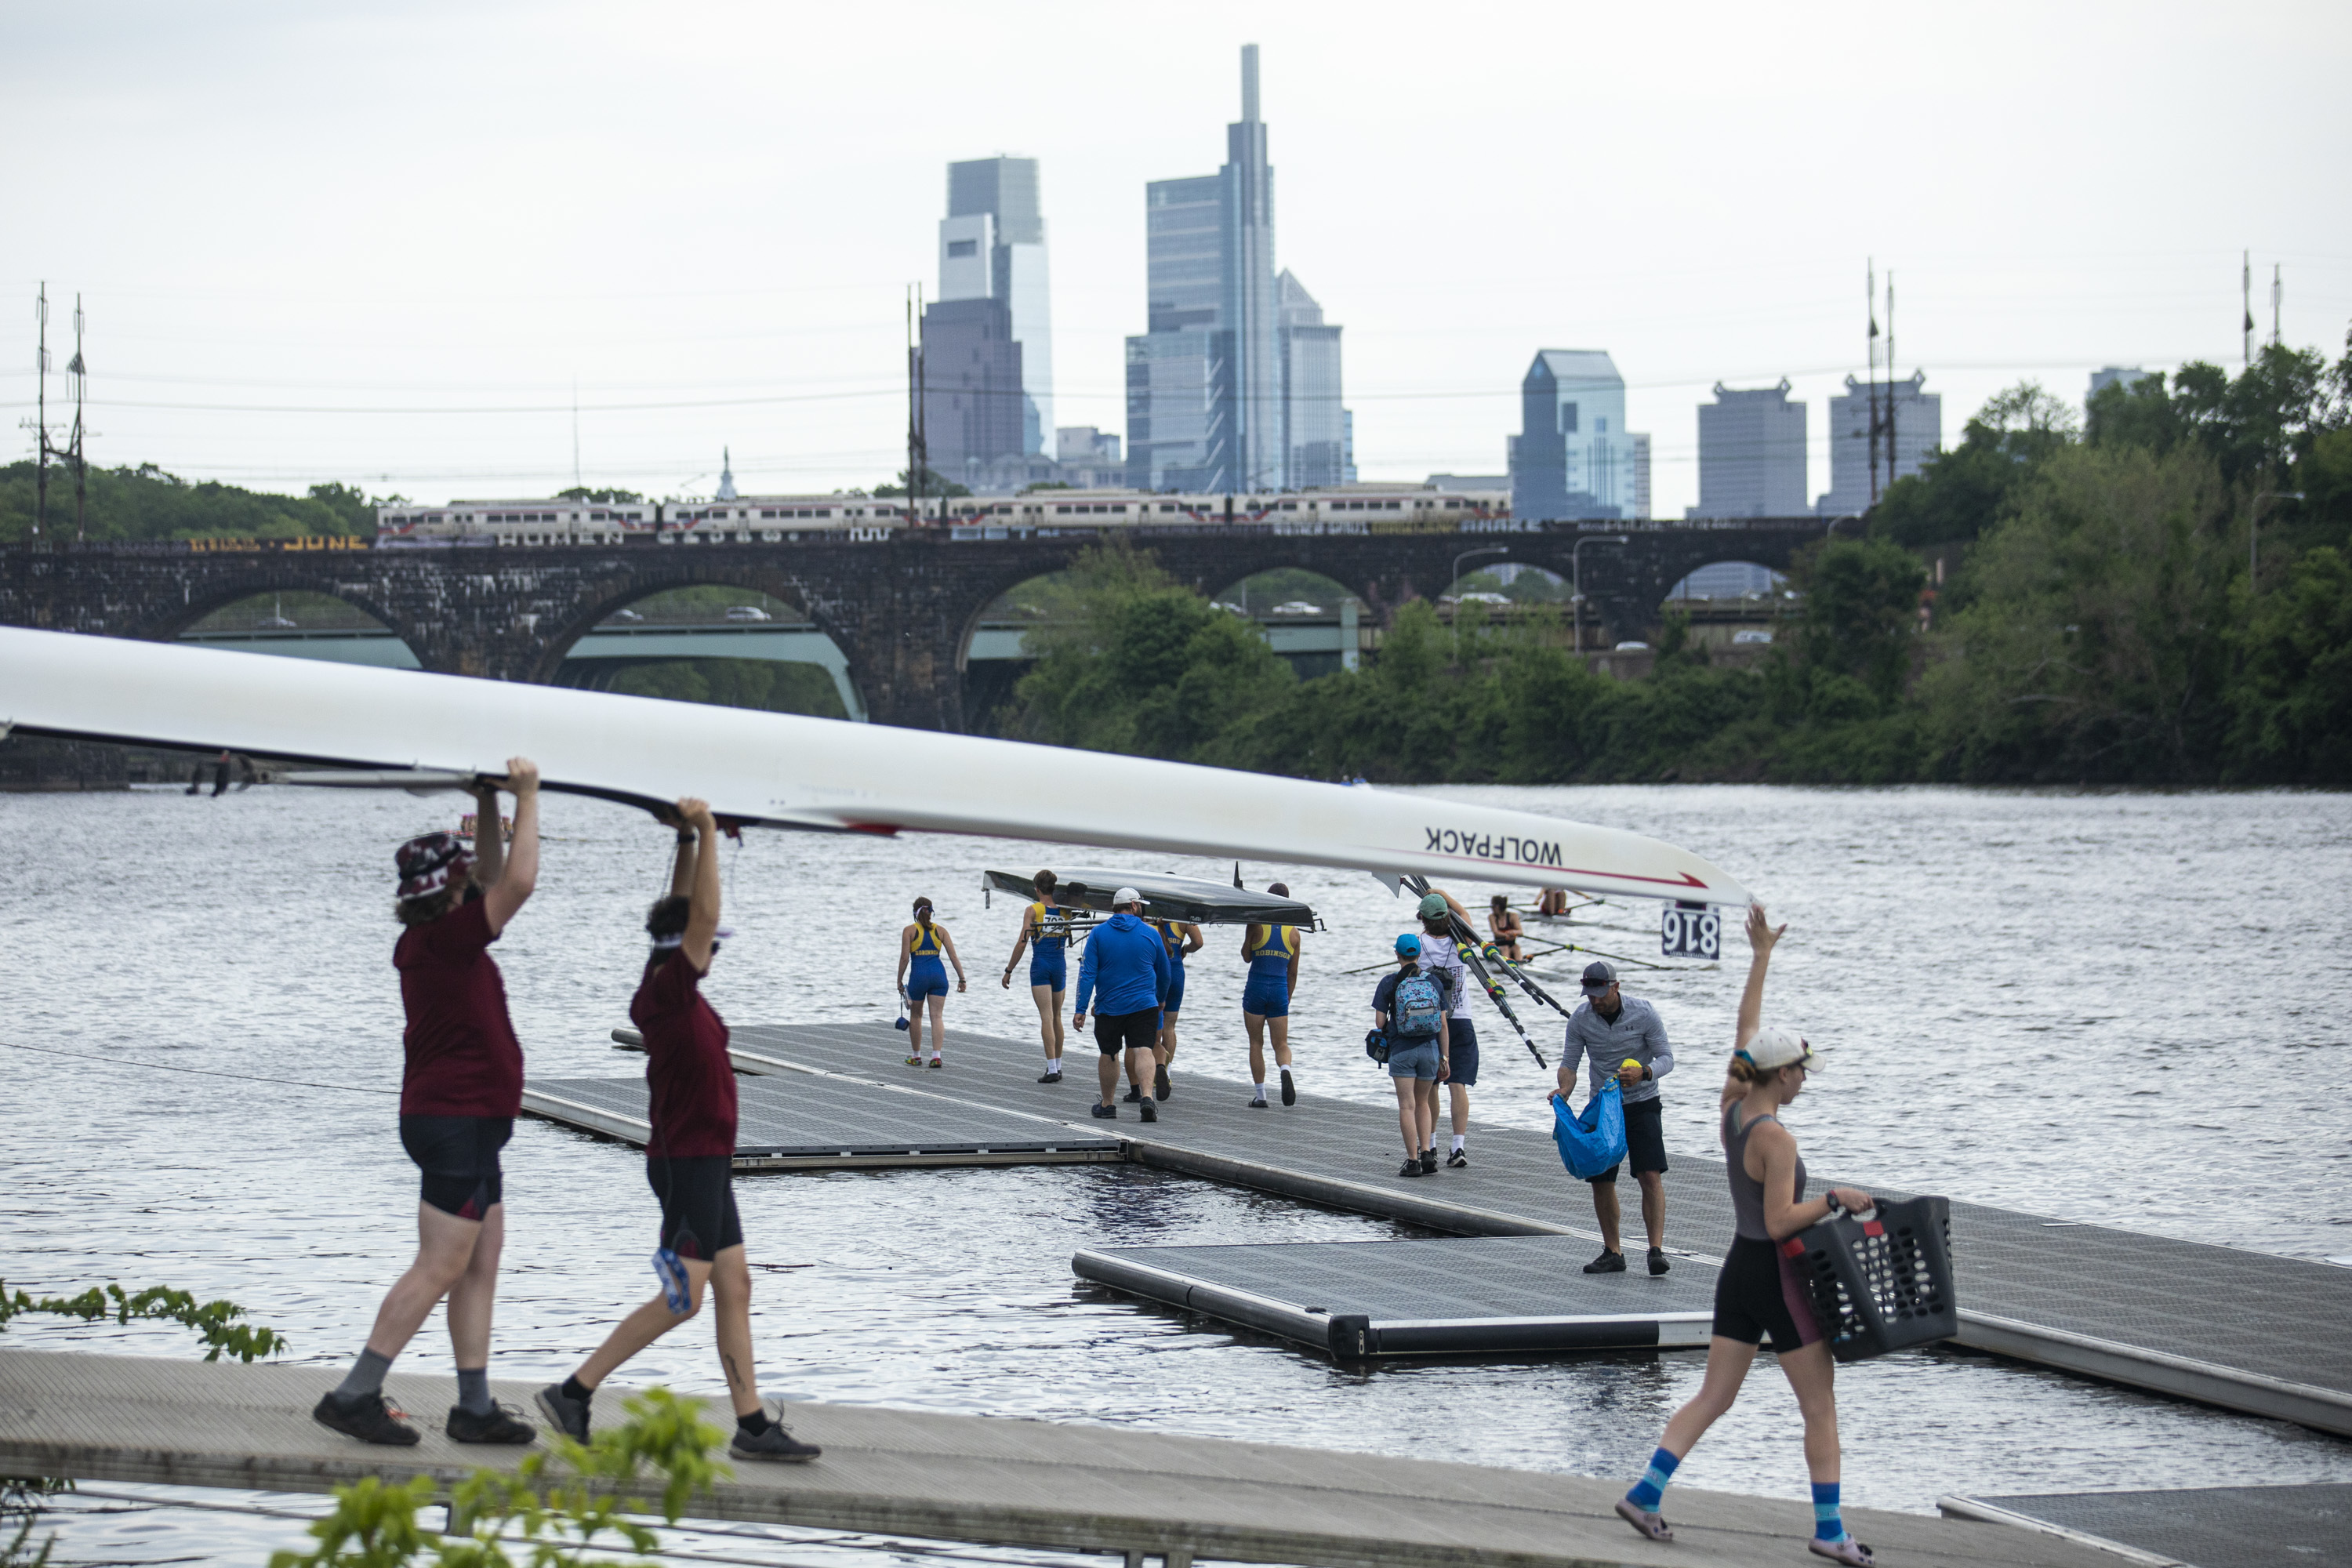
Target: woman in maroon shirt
458,1096
689,1158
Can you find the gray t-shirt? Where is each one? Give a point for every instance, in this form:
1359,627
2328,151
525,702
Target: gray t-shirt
1439,957
1637,1032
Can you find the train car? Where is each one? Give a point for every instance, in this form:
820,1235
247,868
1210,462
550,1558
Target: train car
559,520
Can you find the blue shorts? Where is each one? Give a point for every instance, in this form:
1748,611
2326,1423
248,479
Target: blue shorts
926,977
1267,995
1049,969
1462,1045
1414,1061
1175,999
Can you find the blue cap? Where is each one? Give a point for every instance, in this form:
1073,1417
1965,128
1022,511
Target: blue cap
1408,946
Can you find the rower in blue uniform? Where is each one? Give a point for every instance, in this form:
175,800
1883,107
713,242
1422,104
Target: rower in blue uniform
1181,938
1045,933
1273,955
922,976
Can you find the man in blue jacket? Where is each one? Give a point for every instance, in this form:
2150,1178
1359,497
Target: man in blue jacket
1128,960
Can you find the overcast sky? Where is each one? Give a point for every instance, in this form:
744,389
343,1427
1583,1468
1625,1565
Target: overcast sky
379,243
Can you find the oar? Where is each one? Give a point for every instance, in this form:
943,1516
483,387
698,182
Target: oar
1466,948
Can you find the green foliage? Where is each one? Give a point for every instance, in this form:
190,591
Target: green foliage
1963,493
147,503
769,686
2293,716
215,1321
934,484
21,1499
560,1503
1860,609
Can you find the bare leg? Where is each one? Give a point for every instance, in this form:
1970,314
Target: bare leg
444,1245
642,1327
1654,1206
938,1024
1049,1020
1460,1095
1727,1361
1140,1064
1407,1093
1813,1375
1165,1050
1281,1029
915,1028
1604,1209
1107,1074
731,1285
1255,1023
473,1297
1058,1026
1428,1113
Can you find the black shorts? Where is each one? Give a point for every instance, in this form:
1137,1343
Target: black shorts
698,1204
459,1157
1756,1295
1127,1031
1645,1140
1461,1052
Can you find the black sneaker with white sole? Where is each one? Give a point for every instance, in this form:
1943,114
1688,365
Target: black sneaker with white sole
1104,1112
1412,1167
1150,1111
1607,1263
366,1416
565,1414
775,1443
1049,1078
501,1423
1457,1160
1289,1089
1429,1161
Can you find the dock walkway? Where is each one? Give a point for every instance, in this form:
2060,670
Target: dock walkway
2259,1333
973,1478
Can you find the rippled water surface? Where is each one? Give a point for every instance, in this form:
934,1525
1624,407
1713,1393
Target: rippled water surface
2127,1009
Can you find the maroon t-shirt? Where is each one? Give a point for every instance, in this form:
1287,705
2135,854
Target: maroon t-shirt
463,1057
686,1068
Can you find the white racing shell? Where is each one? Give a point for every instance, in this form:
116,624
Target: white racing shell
791,772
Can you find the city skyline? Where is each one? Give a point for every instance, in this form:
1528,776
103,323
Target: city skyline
405,299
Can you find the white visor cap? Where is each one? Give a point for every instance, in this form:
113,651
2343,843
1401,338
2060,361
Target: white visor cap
1126,896
1779,1049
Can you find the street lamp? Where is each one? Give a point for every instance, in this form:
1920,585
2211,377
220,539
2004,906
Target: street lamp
1576,570
2252,524
1452,589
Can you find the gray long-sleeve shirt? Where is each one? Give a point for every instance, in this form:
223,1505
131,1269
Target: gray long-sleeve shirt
1637,1033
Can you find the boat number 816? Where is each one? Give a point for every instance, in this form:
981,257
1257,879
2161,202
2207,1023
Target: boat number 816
1691,933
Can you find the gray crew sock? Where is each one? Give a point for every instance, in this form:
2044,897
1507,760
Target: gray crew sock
474,1390
366,1375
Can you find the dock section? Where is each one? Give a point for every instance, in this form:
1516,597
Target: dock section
2206,1527
2085,1299
972,1479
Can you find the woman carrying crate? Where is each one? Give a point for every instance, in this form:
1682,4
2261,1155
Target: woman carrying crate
1758,1292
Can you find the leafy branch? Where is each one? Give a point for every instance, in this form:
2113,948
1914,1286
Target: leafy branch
215,1321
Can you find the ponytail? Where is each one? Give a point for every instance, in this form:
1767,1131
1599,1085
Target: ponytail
1742,1070
923,913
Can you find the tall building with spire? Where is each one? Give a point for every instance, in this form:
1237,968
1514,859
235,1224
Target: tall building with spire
726,475
1209,406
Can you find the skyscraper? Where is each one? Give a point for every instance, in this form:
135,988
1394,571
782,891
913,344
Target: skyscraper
1208,406
1751,453
1918,432
1573,457
1314,429
973,402
992,245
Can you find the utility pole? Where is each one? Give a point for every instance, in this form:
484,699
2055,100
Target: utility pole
2246,298
2278,291
1870,301
41,412
575,434
918,449
1890,378
80,375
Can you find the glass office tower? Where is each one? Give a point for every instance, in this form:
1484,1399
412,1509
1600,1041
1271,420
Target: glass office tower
1573,457
992,245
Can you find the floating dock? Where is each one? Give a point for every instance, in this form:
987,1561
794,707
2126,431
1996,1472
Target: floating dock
1363,1301
807,1124
999,1482
2207,1527
2084,1299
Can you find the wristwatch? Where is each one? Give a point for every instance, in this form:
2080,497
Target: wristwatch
1836,1206
686,836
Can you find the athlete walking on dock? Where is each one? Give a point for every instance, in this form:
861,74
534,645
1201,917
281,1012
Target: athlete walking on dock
1272,953
1624,1039
921,977
1409,1007
1045,936
689,1158
459,1092
1126,962
1758,1292
1440,952
1182,938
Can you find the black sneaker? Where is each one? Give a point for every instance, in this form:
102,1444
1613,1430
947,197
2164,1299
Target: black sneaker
1050,1077
1104,1112
1160,1083
1257,1103
1289,1089
1412,1167
1150,1111
1607,1263
776,1442
566,1415
1457,1160
504,1424
1658,1264
365,1416
1429,1161
1134,1096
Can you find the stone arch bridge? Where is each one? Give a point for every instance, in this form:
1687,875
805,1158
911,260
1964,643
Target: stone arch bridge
901,610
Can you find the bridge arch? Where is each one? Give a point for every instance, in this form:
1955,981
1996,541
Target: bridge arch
610,645
297,616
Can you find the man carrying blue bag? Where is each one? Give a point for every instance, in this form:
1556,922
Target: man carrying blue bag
1593,1140
1627,1044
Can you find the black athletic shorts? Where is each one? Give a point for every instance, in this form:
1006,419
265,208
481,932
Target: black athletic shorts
1756,1295
1127,1031
698,1204
1461,1052
459,1157
1645,1140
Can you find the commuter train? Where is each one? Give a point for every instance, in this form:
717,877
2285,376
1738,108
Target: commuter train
769,519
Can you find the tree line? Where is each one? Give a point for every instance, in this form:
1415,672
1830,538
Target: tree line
2157,594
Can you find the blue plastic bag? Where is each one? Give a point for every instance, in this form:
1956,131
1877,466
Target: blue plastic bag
1593,1140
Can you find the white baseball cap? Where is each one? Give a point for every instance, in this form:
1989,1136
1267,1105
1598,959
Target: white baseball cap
1779,1049
1126,896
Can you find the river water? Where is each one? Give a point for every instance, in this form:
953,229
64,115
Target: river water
2127,1009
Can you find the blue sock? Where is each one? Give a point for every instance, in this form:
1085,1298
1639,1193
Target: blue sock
1827,1525
1652,1484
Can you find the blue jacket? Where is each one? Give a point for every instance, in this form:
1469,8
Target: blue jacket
1128,959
